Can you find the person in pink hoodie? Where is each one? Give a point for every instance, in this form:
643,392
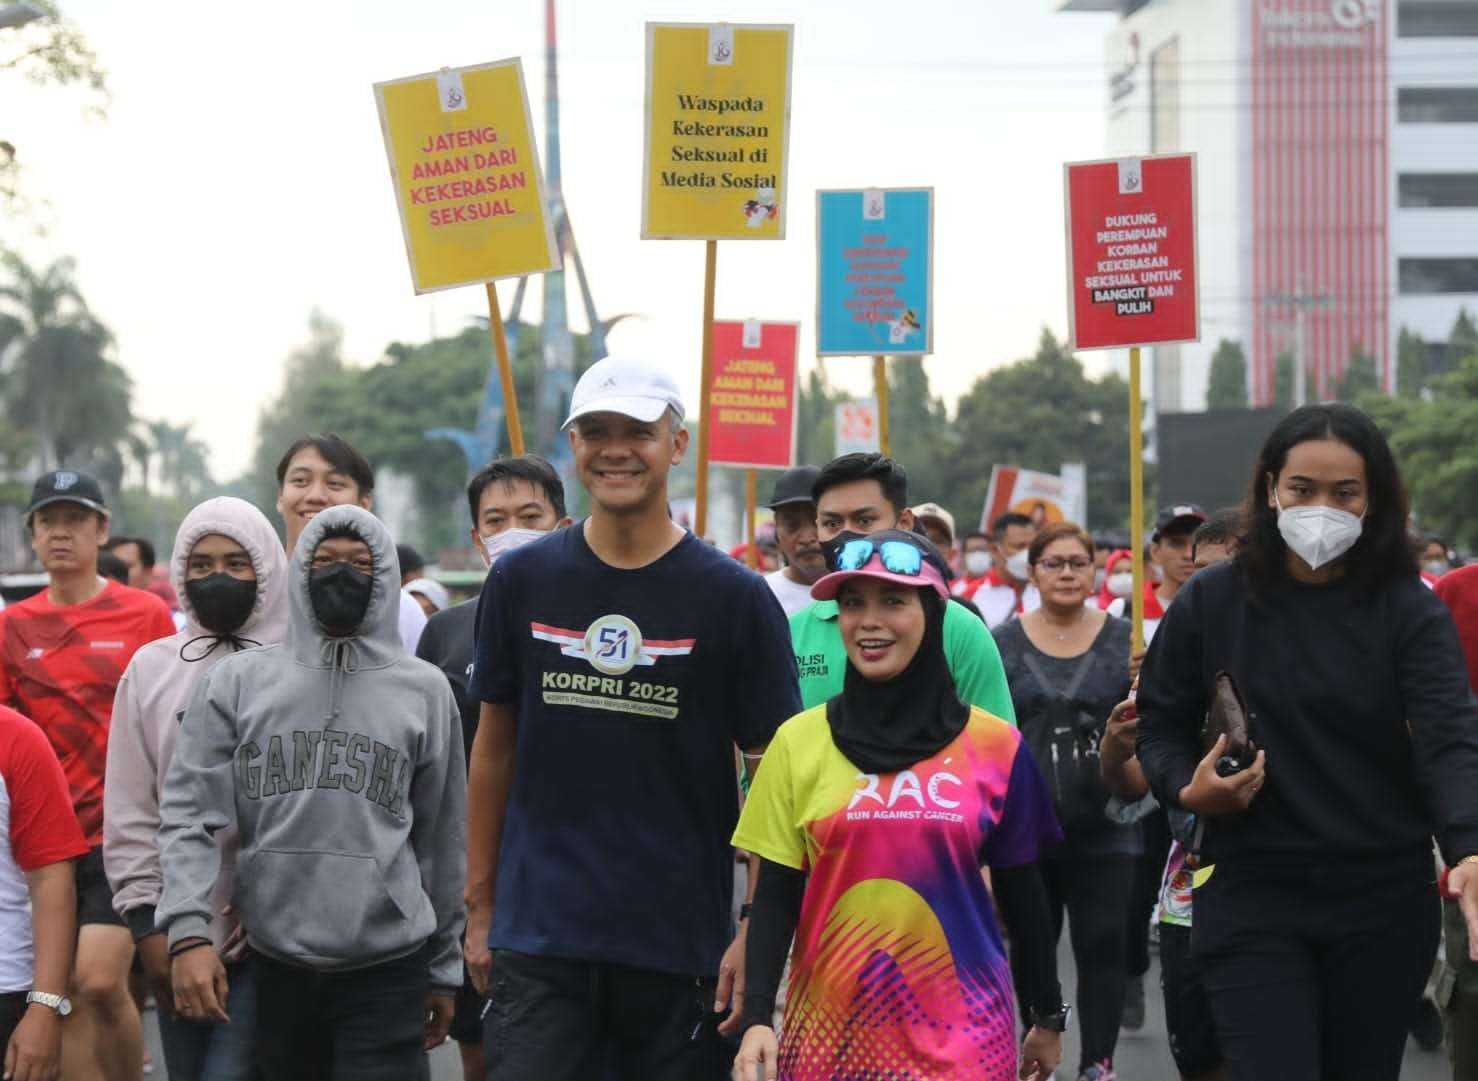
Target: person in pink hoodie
230,573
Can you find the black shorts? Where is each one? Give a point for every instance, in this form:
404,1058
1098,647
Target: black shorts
94,895
467,1016
1193,1041
559,1020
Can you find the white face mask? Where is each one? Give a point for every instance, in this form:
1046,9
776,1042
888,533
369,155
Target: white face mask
502,543
1318,535
1436,567
1121,584
1019,566
977,563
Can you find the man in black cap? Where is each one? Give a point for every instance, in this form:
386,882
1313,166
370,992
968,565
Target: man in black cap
62,653
1172,552
795,533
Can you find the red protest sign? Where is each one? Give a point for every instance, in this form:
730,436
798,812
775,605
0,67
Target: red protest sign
1131,251
751,404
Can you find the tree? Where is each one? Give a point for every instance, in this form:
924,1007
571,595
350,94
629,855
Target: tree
1462,342
314,385
1039,413
816,418
58,380
921,435
1227,388
386,409
1411,364
1283,380
1432,437
1360,378
46,51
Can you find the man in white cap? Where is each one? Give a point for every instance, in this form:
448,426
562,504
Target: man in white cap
619,664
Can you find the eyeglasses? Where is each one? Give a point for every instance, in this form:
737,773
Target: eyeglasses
899,557
1053,566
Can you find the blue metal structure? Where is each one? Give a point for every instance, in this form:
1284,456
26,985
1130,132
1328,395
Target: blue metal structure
556,379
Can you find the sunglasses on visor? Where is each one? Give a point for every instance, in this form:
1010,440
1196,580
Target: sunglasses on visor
899,557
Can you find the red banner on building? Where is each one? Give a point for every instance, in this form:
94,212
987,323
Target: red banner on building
1320,167
1131,251
751,404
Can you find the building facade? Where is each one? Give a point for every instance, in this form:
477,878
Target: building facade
1337,145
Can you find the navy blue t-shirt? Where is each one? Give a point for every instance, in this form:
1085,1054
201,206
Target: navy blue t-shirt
633,688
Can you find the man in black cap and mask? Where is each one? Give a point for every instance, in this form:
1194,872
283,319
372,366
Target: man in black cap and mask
337,758
795,533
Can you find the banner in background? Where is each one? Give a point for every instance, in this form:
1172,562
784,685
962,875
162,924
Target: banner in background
874,265
466,175
1042,497
751,404
857,427
1131,252
717,129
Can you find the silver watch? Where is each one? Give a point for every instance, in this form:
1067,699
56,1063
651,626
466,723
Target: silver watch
60,1003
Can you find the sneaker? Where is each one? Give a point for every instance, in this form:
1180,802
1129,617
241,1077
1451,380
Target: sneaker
1133,1017
1099,1071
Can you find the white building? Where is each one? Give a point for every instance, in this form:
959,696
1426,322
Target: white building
1337,145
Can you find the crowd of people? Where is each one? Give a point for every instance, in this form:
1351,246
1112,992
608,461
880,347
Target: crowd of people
636,811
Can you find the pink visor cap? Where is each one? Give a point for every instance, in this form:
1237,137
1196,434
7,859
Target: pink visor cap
926,577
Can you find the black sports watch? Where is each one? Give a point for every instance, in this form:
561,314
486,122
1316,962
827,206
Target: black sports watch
1056,1021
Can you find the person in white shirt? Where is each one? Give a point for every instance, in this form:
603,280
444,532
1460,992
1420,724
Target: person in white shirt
795,533
1004,591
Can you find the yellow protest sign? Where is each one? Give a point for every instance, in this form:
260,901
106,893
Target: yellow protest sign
466,175
718,124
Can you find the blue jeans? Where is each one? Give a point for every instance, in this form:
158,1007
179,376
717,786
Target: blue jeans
196,1051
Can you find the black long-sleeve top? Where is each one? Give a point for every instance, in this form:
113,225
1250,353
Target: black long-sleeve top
1360,699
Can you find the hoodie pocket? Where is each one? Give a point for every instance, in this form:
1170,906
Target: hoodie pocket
326,907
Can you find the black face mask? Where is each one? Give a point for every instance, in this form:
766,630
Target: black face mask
340,596
222,603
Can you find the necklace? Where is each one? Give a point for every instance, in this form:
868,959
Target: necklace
1062,636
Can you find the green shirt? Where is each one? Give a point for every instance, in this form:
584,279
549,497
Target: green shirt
973,658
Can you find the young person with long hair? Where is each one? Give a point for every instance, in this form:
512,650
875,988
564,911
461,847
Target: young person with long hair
1317,927
873,814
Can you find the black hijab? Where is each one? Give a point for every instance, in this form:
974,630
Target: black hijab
888,726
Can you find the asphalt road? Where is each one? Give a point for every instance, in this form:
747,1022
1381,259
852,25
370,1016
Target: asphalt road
1142,1056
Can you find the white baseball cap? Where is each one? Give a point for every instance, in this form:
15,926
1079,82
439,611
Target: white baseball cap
635,388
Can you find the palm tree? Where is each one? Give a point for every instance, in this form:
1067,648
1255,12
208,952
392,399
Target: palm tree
57,380
184,468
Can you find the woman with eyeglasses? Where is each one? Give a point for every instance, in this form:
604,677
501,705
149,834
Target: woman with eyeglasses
873,815
1068,666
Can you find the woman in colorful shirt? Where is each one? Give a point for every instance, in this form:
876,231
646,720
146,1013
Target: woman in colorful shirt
873,815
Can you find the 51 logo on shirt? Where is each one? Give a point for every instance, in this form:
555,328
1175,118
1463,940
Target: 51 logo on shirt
612,644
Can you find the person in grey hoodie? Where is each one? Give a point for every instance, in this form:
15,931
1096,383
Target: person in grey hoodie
231,577
337,757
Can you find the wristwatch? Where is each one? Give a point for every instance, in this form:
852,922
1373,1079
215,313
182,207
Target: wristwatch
1056,1021
60,1003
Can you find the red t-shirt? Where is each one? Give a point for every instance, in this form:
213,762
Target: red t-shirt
60,666
1459,591
37,829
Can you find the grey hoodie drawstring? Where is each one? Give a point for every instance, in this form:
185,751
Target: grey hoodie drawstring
339,654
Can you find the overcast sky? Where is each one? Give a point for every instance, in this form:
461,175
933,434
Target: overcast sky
240,178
